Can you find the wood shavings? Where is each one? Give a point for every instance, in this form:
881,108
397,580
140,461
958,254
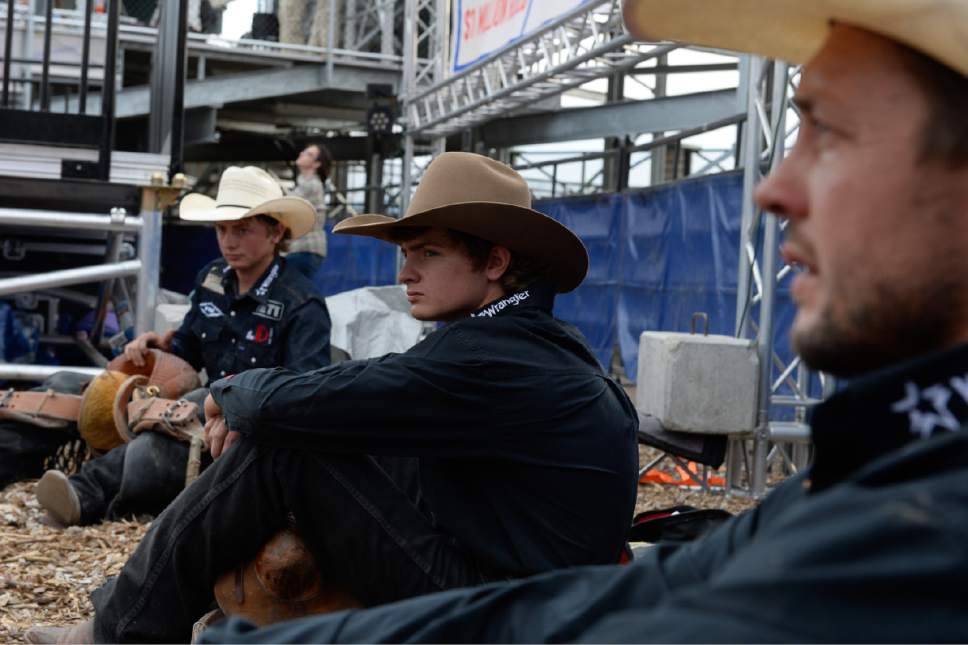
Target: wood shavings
48,573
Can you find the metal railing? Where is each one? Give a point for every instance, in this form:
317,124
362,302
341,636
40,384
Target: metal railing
549,179
26,113
110,274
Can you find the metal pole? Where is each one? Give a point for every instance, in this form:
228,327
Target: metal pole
330,40
113,255
68,276
55,219
19,372
45,64
108,89
767,305
658,162
178,93
149,251
750,67
27,51
7,51
385,13
85,58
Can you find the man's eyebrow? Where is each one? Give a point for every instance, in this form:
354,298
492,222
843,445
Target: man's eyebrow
414,247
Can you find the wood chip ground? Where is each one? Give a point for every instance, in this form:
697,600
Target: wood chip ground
47,573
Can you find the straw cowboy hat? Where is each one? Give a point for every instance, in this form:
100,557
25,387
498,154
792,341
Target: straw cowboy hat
476,195
244,192
794,30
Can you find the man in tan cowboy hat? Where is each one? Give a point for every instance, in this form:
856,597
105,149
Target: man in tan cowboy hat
493,449
868,545
248,310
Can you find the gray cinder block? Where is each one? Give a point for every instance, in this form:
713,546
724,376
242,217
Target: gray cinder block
694,383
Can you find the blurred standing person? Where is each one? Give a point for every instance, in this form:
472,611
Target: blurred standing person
309,251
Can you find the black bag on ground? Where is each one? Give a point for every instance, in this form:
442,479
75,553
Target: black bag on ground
675,524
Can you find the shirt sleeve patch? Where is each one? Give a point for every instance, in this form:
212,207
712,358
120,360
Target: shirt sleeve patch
213,281
210,310
270,309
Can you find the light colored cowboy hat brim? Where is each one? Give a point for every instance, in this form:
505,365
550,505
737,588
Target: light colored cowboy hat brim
295,213
524,230
794,30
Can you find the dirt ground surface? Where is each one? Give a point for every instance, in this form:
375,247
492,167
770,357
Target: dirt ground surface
47,573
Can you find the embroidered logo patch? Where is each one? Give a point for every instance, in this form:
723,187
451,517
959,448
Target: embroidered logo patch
210,310
261,335
928,408
271,309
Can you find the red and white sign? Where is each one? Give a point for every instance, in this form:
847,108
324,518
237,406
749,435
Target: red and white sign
481,27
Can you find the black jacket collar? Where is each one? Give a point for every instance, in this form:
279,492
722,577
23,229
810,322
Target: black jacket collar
881,412
538,295
260,290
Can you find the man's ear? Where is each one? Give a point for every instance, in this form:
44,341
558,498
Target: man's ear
498,261
276,234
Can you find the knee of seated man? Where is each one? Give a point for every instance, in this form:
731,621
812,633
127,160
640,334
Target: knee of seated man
154,471
66,382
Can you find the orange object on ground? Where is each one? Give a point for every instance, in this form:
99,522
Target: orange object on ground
688,476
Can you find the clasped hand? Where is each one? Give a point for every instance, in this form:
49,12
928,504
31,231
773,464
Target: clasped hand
218,436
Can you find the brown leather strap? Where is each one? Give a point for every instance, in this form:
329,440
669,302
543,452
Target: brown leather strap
178,419
48,409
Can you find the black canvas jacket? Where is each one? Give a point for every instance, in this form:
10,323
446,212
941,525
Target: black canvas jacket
527,450
871,545
281,320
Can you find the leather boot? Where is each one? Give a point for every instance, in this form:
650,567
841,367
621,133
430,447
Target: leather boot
57,496
81,633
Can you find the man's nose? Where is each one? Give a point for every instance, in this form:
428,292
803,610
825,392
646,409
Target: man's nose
782,192
407,274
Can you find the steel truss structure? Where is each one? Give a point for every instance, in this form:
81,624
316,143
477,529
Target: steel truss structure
586,44
786,390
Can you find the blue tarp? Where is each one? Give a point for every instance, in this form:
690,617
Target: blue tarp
656,257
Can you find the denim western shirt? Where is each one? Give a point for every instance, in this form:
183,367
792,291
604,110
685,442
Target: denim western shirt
281,320
870,545
527,450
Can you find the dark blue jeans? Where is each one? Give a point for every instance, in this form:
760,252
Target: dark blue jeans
362,518
137,478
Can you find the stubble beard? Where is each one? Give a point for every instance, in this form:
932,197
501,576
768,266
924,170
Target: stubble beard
886,325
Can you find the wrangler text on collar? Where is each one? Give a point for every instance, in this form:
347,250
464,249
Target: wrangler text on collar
273,274
511,301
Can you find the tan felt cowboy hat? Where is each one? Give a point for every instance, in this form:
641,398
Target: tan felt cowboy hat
244,192
794,30
486,198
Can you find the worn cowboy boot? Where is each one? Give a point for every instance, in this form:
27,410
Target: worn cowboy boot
57,496
81,633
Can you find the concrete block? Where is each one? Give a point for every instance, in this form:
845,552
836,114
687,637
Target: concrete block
694,383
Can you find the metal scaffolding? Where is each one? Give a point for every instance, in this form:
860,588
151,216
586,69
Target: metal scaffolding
783,386
587,43
66,160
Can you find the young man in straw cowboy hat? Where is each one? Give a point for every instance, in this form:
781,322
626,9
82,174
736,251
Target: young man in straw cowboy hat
868,545
248,309
493,449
